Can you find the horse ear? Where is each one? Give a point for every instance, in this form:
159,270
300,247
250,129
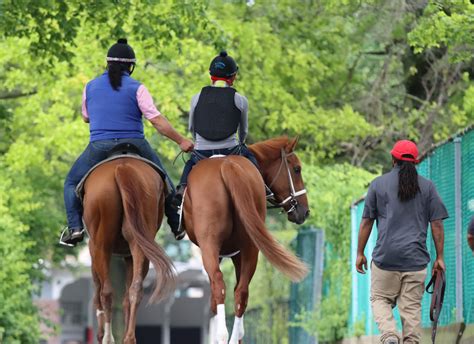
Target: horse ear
291,145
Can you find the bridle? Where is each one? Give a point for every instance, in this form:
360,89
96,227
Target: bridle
438,282
292,198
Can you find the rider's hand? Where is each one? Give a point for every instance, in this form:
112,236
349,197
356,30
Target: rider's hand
439,265
186,145
361,262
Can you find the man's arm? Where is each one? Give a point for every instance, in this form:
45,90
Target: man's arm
437,230
364,234
164,127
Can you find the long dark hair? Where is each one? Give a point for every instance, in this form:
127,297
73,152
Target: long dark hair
116,70
408,185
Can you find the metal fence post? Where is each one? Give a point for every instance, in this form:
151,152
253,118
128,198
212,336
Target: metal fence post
458,227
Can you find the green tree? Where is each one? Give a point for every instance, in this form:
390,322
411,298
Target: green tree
349,77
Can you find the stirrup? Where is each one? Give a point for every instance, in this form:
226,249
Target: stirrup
268,193
179,236
181,214
78,235
61,241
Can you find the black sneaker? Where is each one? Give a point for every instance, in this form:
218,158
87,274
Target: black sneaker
71,236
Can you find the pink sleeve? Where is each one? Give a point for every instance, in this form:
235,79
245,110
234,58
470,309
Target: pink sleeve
145,103
85,114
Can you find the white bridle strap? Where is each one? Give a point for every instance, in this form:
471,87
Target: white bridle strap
293,193
292,196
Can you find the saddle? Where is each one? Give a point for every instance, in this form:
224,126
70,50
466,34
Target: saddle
123,150
438,284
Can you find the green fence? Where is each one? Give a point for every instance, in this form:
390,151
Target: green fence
450,166
305,296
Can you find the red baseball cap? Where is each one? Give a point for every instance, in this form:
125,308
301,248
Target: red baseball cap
405,147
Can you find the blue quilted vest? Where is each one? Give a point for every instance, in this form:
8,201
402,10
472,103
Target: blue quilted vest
113,114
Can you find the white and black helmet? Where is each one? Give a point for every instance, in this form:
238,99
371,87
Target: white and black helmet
121,52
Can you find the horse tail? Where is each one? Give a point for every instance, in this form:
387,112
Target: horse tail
134,199
243,197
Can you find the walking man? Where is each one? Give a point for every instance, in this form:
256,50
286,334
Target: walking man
402,203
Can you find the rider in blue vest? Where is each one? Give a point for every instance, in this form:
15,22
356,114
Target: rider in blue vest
218,119
113,105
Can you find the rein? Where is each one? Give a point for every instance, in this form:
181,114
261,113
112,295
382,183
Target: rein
438,282
293,193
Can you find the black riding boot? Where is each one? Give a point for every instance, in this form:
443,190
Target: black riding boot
173,218
178,196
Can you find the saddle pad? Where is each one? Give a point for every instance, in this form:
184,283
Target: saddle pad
217,156
80,186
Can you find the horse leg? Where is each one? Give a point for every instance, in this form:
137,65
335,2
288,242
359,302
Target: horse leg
135,292
246,263
210,257
128,282
101,264
98,307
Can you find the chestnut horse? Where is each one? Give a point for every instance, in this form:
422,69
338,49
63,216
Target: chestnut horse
224,214
123,209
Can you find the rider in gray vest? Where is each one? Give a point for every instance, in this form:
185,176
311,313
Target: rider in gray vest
218,119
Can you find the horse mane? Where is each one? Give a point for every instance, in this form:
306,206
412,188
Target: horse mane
270,148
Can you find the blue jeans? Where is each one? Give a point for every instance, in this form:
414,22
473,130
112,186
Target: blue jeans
94,153
195,157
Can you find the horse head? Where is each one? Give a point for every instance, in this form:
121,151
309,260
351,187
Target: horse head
281,171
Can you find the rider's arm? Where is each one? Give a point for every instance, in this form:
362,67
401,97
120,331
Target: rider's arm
85,114
194,102
242,104
161,124
146,104
164,127
150,112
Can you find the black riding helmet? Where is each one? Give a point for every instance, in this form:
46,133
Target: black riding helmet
223,66
121,52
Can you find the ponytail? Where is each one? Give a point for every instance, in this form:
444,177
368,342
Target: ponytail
115,73
408,185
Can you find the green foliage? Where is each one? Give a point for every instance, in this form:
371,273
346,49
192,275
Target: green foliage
15,287
446,24
349,77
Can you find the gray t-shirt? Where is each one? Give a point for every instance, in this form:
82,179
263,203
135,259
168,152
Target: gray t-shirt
402,226
202,144
471,226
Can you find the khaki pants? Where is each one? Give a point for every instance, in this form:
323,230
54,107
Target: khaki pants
404,289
